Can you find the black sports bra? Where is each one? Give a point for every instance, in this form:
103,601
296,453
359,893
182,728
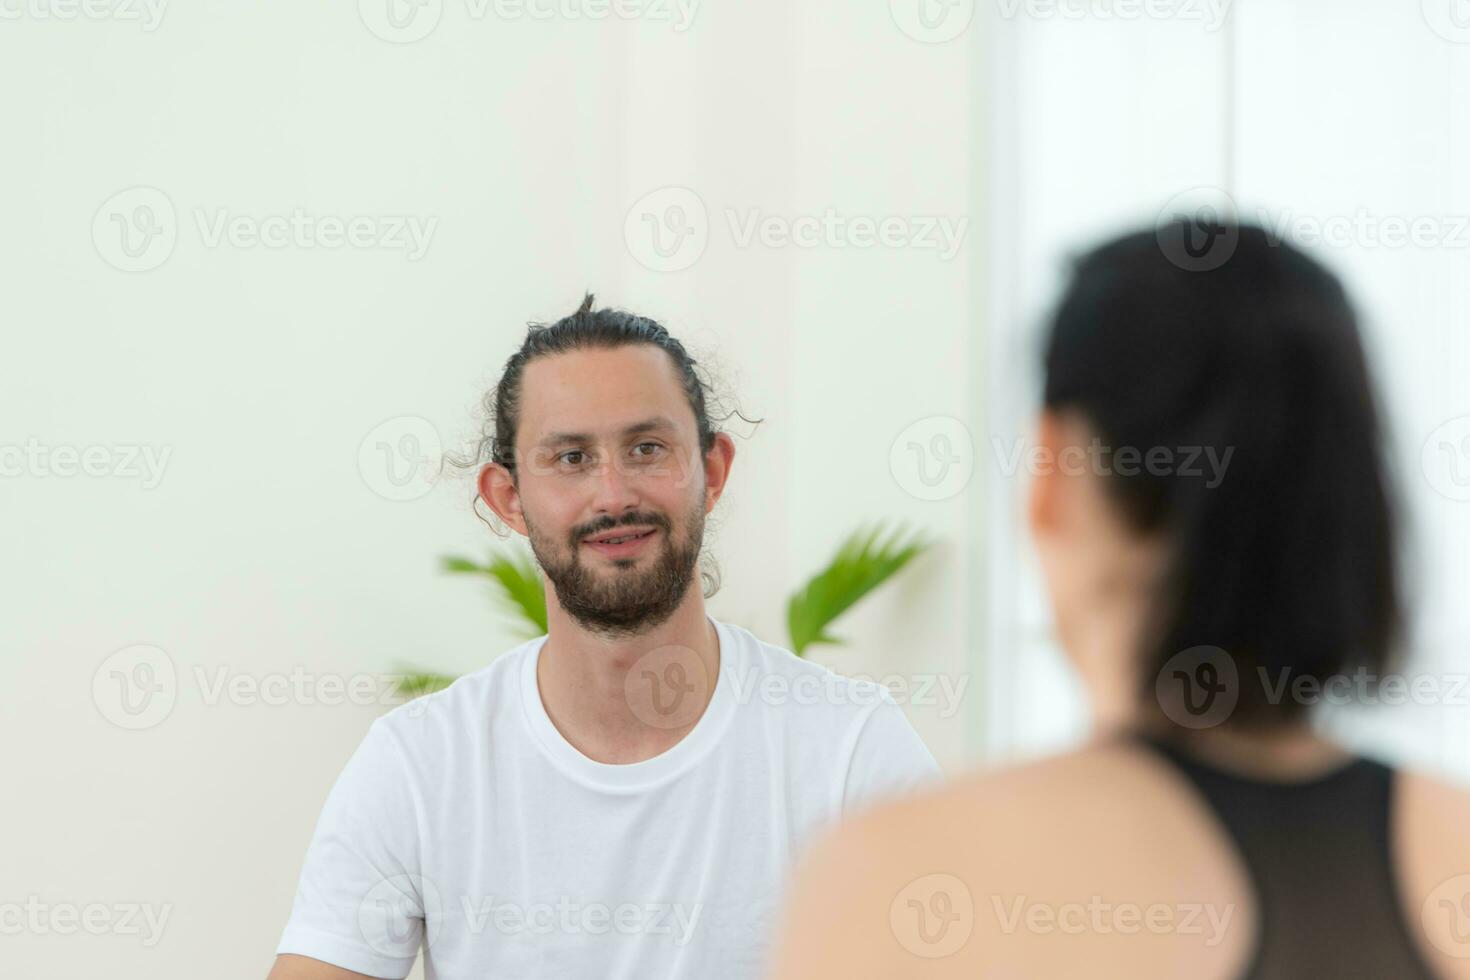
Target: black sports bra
1319,857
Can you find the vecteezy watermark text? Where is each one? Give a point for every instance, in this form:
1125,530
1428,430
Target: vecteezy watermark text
668,229
41,918
1100,917
940,233
941,691
570,917
408,233
1103,460
148,13
124,461
407,21
1365,687
136,230
137,687
1210,13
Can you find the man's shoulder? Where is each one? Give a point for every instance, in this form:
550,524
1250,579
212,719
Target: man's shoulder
775,678
467,705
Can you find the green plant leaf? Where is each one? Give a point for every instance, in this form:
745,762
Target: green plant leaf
518,588
453,564
863,562
413,684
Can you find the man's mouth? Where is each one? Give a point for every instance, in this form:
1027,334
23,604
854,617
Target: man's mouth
623,541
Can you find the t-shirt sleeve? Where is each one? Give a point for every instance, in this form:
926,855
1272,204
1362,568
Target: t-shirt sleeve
888,759
361,902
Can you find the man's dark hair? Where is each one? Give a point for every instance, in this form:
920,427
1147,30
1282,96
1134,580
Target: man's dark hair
584,329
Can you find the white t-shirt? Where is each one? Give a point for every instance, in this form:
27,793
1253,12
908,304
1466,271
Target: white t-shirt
465,821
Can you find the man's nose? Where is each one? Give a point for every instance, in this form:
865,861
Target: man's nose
617,488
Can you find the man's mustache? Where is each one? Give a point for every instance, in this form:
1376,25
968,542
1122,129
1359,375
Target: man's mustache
609,524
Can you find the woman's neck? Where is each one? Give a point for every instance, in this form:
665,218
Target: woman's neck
1106,653
1287,753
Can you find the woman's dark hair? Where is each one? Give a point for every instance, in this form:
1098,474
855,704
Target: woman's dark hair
1288,563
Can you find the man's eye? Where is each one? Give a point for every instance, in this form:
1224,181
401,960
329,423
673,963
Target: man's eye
651,445
566,457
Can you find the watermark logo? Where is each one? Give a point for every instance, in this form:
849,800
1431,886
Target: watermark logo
667,230
400,459
1446,459
136,687
1197,229
400,21
135,230
397,911
933,916
667,687
932,21
1445,916
1198,687
1450,19
686,468
933,458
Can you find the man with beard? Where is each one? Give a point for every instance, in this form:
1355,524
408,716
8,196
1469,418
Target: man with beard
623,797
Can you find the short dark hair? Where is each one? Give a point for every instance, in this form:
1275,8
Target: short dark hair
1289,564
589,328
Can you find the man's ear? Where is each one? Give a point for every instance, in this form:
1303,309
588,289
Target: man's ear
498,489
717,463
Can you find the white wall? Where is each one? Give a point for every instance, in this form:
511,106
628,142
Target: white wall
542,149
1312,116
267,546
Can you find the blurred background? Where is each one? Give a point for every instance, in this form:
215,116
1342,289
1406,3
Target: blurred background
261,261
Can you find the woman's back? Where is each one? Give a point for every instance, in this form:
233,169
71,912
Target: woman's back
1275,576
1112,863
1121,861
1300,839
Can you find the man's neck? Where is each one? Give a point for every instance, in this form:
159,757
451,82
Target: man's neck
602,693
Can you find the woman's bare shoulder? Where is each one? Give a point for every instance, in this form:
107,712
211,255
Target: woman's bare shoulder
1055,864
1443,801
1094,790
1432,843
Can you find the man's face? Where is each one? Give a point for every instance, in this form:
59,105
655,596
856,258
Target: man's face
607,447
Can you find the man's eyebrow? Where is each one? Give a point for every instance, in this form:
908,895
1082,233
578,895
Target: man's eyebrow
656,424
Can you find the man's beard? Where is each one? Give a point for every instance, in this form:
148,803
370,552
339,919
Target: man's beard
623,600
